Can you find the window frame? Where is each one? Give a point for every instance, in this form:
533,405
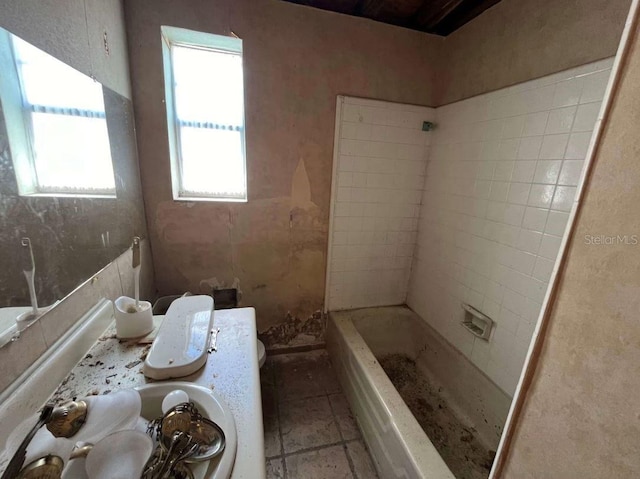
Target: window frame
202,41
19,125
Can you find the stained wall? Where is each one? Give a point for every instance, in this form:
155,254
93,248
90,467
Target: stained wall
296,60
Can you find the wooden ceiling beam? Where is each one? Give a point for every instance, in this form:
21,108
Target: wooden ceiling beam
392,11
432,16
465,13
434,12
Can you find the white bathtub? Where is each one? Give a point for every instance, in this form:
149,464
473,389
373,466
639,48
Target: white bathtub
399,446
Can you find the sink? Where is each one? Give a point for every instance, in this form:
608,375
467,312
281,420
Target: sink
211,406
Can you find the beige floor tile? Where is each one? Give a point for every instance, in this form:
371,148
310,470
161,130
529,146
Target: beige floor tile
344,417
327,463
362,464
275,468
272,444
305,375
307,423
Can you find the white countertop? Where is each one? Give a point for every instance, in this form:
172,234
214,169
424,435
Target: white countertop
232,372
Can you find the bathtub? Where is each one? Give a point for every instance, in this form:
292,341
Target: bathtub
398,444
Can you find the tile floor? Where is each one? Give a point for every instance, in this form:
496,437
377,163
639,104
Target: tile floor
308,427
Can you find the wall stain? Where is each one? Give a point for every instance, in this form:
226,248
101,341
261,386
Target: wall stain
294,331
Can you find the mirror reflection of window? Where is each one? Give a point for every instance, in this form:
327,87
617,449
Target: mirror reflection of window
65,130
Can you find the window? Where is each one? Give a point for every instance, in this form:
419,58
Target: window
56,124
205,114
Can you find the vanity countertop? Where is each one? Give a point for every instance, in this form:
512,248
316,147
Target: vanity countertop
232,372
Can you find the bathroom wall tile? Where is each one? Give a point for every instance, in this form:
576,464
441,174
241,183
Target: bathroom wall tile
535,124
543,269
578,146
524,171
550,246
556,223
529,241
513,127
508,149
547,171
518,193
554,147
503,170
563,198
380,185
508,320
595,85
586,116
535,218
560,120
541,195
529,148
571,171
568,92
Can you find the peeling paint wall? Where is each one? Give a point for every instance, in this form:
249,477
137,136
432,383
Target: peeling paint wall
297,60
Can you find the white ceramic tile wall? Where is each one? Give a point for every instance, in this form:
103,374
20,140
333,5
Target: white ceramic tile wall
501,179
379,169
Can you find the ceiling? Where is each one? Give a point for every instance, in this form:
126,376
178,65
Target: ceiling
432,16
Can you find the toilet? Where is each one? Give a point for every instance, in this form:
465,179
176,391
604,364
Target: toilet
162,305
262,353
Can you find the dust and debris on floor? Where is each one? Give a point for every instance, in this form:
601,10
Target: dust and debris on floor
457,443
295,331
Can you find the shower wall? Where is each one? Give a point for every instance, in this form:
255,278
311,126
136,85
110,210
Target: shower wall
502,175
380,156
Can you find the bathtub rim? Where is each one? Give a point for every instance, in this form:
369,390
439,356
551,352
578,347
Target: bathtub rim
406,428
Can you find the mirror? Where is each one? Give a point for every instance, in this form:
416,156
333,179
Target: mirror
69,178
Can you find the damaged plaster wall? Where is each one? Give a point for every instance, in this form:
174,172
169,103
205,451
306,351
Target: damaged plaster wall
296,60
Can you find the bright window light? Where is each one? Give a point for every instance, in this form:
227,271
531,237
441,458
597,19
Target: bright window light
205,111
66,127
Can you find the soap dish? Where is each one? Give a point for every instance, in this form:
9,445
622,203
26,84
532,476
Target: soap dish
180,348
477,323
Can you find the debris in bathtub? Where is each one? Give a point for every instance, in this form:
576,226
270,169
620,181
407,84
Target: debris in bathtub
455,441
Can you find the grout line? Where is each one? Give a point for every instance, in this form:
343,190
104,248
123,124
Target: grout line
304,398
317,448
335,418
277,397
350,461
344,445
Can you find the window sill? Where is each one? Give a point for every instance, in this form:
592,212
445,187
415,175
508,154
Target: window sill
70,195
190,199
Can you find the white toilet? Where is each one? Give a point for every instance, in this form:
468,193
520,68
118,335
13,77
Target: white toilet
262,353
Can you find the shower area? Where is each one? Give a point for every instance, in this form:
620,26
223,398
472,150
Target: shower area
446,224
